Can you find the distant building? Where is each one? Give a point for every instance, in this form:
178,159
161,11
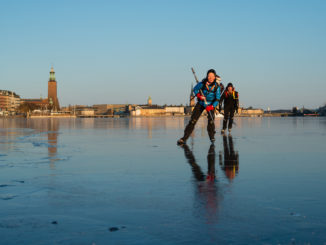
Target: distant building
87,112
9,101
155,110
322,110
52,102
52,92
250,112
110,109
149,101
41,104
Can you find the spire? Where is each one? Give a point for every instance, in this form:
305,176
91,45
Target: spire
52,76
149,101
192,89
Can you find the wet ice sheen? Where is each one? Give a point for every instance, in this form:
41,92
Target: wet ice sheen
124,181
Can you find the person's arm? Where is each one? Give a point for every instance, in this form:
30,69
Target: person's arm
236,101
217,97
197,89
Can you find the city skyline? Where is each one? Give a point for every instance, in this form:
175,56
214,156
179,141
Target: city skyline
109,52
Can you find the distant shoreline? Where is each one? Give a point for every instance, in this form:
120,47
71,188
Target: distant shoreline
148,116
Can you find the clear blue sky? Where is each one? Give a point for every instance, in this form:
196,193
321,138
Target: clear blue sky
274,51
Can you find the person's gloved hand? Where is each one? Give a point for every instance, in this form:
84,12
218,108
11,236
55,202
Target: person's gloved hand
200,97
210,177
209,108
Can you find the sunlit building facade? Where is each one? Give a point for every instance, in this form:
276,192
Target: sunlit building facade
9,101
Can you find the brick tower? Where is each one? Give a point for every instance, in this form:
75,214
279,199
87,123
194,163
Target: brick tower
52,92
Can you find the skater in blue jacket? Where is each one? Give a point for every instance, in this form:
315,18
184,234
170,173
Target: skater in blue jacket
208,93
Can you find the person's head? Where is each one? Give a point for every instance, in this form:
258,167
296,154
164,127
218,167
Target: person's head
229,87
211,76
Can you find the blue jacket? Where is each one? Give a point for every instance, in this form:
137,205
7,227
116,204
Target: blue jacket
212,97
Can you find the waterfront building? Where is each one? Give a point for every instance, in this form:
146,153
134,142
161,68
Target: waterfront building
9,101
250,112
40,104
87,112
155,110
110,109
50,103
52,92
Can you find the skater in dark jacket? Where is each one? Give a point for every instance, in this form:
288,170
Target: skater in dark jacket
230,97
208,93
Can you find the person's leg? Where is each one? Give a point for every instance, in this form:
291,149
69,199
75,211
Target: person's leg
231,119
211,125
193,120
226,118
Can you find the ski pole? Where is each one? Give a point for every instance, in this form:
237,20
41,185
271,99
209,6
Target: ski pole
193,72
197,81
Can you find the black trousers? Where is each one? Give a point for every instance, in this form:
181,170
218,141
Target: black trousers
228,117
198,110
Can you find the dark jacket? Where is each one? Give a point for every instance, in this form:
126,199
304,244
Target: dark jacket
231,101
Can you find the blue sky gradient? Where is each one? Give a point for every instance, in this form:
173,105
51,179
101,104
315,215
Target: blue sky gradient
274,52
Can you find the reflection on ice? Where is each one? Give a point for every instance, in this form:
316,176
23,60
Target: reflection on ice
209,191
198,174
31,131
229,161
206,189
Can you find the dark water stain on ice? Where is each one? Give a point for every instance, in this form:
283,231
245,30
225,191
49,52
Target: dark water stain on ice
4,185
19,181
7,197
115,228
112,229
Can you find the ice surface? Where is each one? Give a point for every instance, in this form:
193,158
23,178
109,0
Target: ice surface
125,181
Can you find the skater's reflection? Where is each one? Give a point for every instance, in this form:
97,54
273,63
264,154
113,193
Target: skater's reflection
230,165
211,163
206,191
198,174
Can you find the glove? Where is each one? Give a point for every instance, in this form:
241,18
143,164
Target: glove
209,108
210,177
200,97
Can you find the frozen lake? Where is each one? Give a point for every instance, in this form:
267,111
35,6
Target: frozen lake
125,181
